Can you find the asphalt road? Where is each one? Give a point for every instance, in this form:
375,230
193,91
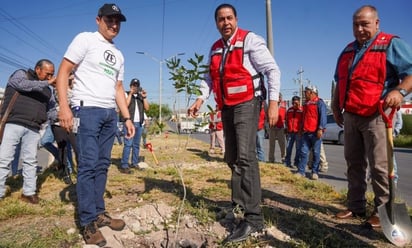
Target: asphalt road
337,167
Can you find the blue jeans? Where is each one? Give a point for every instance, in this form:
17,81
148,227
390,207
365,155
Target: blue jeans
15,163
94,139
47,141
291,139
309,141
132,144
260,138
29,139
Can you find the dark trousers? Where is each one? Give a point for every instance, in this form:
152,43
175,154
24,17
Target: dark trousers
63,138
240,123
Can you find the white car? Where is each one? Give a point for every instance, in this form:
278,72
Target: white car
333,132
202,127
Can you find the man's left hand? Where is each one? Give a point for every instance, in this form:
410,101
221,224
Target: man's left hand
393,99
273,113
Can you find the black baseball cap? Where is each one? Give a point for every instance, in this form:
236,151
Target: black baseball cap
111,9
135,82
295,98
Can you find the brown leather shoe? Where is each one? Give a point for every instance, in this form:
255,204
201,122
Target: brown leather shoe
105,220
33,199
92,235
347,214
373,221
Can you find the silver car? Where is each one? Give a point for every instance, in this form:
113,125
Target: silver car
333,132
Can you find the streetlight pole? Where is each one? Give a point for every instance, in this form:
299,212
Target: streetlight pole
161,62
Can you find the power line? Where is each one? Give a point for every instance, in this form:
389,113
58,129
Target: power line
12,62
28,32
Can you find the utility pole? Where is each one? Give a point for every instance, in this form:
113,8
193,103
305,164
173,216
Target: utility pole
300,81
269,31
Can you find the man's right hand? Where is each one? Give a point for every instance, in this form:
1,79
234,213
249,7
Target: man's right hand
52,80
66,118
192,111
337,115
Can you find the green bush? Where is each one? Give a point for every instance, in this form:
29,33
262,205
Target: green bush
407,125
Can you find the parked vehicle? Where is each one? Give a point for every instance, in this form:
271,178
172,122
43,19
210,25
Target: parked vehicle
333,132
202,127
193,125
186,126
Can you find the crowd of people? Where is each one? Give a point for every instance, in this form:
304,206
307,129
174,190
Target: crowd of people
79,111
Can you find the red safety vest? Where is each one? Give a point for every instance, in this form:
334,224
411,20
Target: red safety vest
216,121
262,115
233,84
281,115
294,119
361,90
311,115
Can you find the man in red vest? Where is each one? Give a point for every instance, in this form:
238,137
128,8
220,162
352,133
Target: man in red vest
216,130
373,67
260,134
238,62
312,128
294,116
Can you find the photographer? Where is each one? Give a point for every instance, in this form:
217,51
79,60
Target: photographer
137,104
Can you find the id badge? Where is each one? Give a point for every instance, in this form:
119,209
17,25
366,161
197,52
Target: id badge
76,123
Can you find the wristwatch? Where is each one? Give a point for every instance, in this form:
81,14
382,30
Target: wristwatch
402,91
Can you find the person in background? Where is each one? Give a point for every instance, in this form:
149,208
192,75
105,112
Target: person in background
323,163
137,103
145,127
397,126
216,130
23,124
260,135
293,121
98,68
16,160
47,141
277,132
237,64
65,140
397,123
365,131
119,129
313,125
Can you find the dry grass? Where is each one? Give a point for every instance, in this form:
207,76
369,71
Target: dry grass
299,209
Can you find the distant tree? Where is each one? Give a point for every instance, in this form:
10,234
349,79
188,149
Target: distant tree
153,111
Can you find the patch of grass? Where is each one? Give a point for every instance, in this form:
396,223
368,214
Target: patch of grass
35,237
403,141
13,208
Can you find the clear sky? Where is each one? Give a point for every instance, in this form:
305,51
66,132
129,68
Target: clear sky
307,34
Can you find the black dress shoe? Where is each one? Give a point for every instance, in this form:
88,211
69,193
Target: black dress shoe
242,231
